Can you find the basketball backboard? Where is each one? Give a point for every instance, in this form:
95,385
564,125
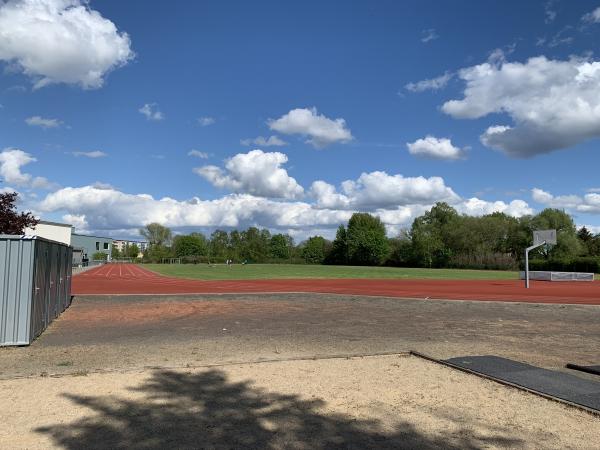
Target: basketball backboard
547,236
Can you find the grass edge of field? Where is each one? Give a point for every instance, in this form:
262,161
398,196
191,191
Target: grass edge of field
416,273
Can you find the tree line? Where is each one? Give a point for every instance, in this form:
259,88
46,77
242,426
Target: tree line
439,238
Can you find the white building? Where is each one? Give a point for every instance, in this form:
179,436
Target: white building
59,232
121,245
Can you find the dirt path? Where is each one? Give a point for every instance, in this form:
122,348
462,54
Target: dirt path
132,279
377,402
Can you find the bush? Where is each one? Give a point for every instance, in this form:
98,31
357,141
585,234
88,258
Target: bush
581,264
99,256
489,261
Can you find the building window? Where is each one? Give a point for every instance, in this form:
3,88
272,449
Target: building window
97,245
106,246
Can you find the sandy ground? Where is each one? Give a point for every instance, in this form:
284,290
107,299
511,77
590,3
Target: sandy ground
375,402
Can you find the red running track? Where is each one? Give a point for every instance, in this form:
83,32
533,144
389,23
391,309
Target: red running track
132,279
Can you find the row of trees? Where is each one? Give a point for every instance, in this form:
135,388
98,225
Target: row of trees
251,245
439,238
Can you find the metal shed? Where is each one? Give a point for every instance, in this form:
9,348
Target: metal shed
35,286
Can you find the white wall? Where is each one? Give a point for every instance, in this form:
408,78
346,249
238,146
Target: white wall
52,232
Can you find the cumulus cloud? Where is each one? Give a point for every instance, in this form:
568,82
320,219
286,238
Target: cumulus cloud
592,17
205,121
477,207
256,172
77,220
37,121
589,203
106,209
553,104
320,130
428,35
271,141
110,210
435,148
61,41
432,84
377,190
151,111
198,154
92,154
11,162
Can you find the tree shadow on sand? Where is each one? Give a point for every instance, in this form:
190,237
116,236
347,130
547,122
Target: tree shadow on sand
205,410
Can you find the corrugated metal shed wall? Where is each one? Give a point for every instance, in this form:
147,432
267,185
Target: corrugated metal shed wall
35,286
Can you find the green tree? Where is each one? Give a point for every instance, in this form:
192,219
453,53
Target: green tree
400,254
433,236
156,234
194,244
156,253
280,246
314,250
115,253
568,244
339,248
99,256
219,242
366,240
235,245
255,244
132,251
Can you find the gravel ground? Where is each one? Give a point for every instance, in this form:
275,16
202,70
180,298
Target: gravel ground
372,402
135,332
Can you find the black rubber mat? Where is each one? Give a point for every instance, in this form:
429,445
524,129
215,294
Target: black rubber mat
588,369
557,384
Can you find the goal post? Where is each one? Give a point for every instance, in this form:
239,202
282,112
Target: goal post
540,237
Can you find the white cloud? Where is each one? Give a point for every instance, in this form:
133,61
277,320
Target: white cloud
594,229
592,17
151,111
37,121
205,121
561,37
435,148
271,141
61,41
106,209
256,172
92,154
429,35
320,130
432,84
11,161
553,104
589,203
477,207
78,221
113,211
549,12
378,190
198,154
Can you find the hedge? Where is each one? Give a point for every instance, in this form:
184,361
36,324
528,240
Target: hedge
582,264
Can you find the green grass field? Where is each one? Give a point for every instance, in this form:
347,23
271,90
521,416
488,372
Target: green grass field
266,271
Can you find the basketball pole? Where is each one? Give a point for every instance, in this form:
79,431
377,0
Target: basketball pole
527,250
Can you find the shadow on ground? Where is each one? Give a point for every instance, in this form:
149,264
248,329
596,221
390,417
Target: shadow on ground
207,411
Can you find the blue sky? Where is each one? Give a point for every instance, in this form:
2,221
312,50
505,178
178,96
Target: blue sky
384,107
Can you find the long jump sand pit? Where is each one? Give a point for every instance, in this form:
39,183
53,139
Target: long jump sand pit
392,401
133,279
